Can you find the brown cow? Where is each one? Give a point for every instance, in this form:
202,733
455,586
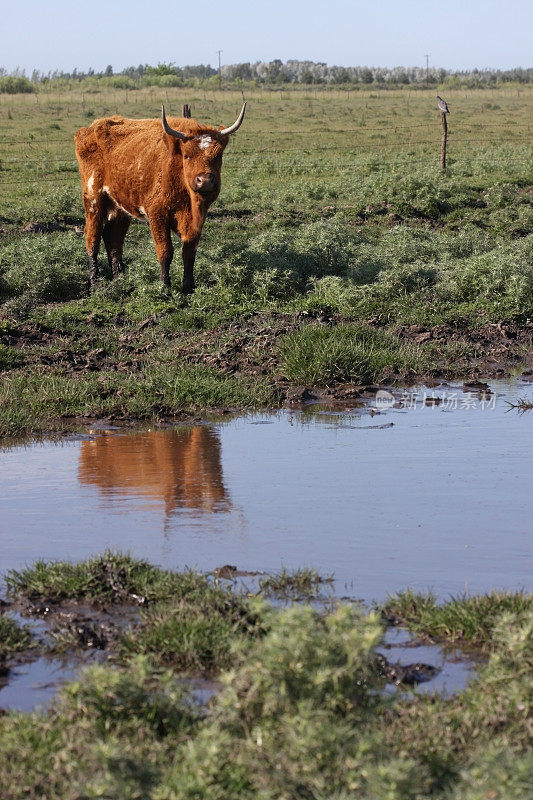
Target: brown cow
166,176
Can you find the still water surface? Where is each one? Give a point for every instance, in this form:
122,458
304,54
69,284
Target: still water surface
440,499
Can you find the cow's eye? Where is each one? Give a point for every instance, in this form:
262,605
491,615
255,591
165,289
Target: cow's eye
186,156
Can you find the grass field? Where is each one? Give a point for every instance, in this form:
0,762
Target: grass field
337,252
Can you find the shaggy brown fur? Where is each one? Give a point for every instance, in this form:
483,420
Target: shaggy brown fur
132,168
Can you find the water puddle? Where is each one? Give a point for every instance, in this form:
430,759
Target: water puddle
423,668
427,494
34,684
450,669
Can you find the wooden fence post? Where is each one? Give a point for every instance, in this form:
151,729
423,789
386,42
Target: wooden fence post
186,111
444,140
444,111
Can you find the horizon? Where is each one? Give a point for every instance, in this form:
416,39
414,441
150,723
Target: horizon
482,34
117,71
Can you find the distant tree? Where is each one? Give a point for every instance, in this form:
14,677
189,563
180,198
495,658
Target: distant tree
201,71
15,84
341,76
367,76
237,72
399,76
108,71
306,77
274,70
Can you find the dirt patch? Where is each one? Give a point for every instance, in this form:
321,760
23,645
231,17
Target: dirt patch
493,350
67,629
249,347
43,227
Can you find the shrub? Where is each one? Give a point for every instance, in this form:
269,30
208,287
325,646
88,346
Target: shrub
12,84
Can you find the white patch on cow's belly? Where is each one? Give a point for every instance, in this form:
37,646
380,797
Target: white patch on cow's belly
90,183
204,142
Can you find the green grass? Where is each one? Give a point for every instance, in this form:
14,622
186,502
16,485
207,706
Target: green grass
299,713
201,632
10,357
39,399
188,623
357,222
468,619
320,356
13,637
297,584
114,577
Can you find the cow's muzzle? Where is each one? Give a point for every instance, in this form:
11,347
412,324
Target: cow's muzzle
205,183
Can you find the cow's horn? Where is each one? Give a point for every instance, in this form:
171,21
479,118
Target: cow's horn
168,129
236,125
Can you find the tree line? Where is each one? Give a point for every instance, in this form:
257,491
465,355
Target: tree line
262,73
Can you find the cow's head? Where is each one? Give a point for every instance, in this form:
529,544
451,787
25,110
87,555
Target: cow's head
202,155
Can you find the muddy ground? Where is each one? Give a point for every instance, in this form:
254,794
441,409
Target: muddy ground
249,347
80,632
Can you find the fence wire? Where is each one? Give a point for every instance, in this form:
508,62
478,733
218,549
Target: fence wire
66,164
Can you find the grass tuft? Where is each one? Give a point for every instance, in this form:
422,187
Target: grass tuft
13,636
471,619
140,695
203,631
319,356
300,584
112,577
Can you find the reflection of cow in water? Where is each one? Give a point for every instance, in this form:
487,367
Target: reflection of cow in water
180,467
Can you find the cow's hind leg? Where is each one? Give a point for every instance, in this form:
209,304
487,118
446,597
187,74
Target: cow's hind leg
114,233
94,220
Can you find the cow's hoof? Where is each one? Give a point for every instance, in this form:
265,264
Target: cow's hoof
187,288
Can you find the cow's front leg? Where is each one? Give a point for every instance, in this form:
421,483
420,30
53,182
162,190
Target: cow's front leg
163,248
188,254
94,220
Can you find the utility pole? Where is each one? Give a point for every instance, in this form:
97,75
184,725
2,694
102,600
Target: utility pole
427,69
219,70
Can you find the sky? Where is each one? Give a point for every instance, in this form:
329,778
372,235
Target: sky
457,34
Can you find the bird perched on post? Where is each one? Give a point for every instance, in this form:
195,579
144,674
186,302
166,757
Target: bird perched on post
442,105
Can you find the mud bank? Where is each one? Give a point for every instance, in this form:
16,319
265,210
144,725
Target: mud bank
121,370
